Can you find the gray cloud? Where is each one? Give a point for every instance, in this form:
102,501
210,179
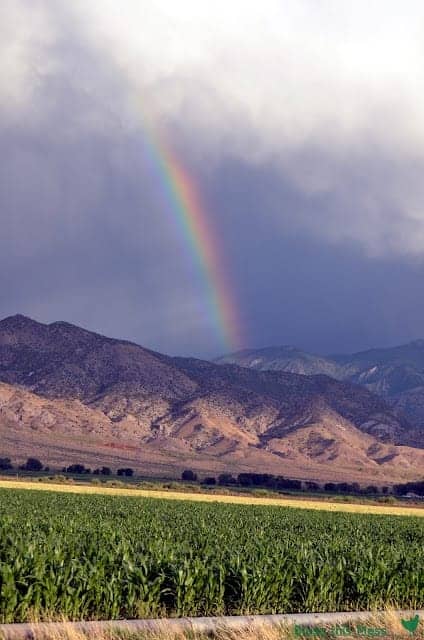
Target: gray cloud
85,234
301,122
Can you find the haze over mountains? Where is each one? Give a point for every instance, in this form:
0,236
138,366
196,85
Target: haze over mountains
396,373
68,395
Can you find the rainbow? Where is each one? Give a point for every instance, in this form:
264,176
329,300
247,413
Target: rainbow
191,217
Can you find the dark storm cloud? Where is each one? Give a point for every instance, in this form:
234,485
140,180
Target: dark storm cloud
86,234
312,176
299,286
85,239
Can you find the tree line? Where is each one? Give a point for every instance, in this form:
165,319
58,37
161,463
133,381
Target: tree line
270,481
245,480
35,465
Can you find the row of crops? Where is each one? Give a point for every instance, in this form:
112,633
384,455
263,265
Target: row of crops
101,557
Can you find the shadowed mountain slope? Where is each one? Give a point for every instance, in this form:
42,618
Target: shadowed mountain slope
65,383
396,374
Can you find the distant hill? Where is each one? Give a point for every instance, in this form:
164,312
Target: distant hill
284,358
396,374
68,394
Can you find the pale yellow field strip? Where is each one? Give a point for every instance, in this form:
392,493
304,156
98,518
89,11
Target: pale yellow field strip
321,505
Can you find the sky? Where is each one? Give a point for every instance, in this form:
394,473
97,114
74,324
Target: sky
298,123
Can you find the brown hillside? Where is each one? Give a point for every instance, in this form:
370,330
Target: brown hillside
72,395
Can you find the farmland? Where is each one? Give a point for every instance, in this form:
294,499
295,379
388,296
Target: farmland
103,557
301,502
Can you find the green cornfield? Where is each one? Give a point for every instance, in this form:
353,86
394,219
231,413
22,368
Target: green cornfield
102,557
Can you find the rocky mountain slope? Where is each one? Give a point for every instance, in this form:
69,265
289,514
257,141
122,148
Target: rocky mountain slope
71,394
396,374
285,358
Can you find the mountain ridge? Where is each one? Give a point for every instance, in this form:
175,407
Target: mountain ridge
189,410
394,373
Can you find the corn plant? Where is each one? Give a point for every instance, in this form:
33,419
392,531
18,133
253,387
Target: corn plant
102,557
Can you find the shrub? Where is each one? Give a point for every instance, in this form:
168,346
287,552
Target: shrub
128,472
370,490
287,483
330,486
189,475
209,481
257,480
103,471
5,464
77,468
32,464
226,478
312,486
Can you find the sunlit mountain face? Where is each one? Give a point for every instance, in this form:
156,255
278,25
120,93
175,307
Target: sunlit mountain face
71,395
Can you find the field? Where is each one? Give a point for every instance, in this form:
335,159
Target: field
102,557
301,502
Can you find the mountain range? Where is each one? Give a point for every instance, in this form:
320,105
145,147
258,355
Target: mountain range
70,395
395,374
